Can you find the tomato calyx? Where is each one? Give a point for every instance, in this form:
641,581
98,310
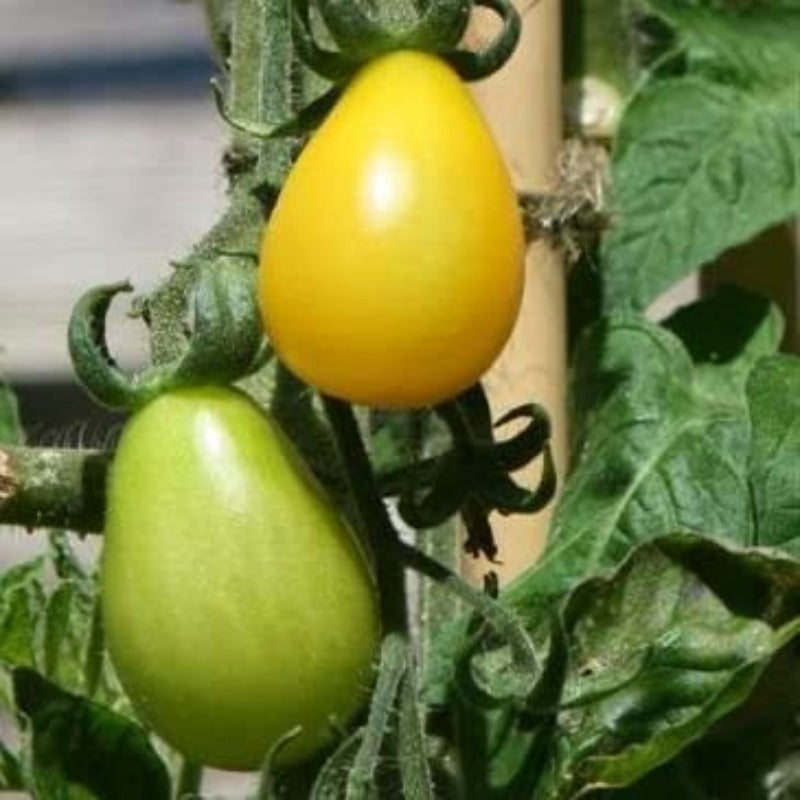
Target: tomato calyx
223,344
473,478
361,35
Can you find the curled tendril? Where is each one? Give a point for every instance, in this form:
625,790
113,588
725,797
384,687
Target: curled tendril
473,478
360,36
225,342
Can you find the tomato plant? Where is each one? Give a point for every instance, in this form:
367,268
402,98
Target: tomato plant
651,653
237,603
392,264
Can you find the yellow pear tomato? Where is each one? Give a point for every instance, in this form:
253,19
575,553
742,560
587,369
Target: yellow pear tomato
392,266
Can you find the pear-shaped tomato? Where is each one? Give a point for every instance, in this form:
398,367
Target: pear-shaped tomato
392,265
237,603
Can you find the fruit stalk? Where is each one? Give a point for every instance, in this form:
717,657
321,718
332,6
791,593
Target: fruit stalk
382,538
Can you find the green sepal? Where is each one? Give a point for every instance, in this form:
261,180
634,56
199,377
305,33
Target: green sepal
528,443
329,64
441,26
361,36
476,65
355,32
226,342
423,510
473,476
305,121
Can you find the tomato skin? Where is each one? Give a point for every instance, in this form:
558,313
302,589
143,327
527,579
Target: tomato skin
392,267
237,603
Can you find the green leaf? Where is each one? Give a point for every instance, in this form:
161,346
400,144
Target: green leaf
705,161
72,637
22,603
77,743
10,423
660,454
10,771
726,334
753,753
59,608
659,652
661,445
773,392
669,445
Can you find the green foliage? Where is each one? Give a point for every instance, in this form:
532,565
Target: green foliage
50,628
684,473
705,160
673,641
10,424
80,744
651,653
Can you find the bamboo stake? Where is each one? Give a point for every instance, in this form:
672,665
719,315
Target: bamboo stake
523,105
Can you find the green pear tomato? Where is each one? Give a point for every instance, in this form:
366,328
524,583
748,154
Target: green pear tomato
237,602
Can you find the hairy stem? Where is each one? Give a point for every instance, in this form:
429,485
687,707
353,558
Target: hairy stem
501,620
415,773
393,665
53,488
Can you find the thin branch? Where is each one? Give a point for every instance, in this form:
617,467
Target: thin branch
53,488
393,666
375,523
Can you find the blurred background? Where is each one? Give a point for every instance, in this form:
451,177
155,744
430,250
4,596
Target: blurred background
109,165
109,147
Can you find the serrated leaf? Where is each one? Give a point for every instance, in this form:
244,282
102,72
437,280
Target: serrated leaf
663,447
56,629
725,335
77,743
22,602
661,650
773,394
668,445
705,161
660,454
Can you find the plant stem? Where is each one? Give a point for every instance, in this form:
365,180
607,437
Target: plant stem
393,666
412,754
381,535
53,488
189,780
501,619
